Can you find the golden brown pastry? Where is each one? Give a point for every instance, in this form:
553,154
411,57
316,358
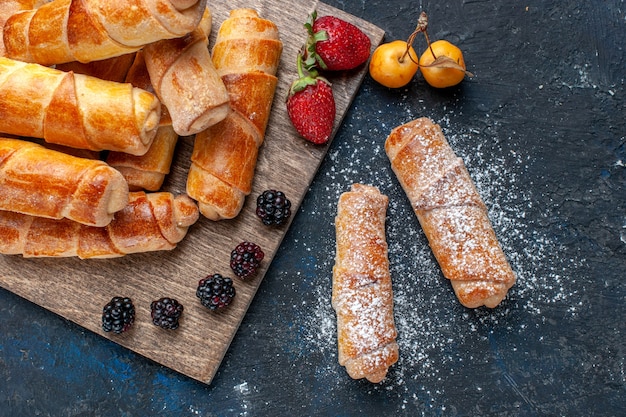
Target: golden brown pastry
148,171
91,30
46,183
186,81
246,55
9,7
362,294
138,76
110,69
150,222
451,213
76,110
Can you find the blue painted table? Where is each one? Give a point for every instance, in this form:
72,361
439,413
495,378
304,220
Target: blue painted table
541,128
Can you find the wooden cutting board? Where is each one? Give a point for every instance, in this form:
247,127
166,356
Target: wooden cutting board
78,289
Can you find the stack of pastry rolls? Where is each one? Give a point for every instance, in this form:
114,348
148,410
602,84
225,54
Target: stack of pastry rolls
119,82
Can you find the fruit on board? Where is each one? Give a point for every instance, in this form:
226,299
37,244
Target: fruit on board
334,44
118,315
245,259
166,312
273,207
215,291
311,105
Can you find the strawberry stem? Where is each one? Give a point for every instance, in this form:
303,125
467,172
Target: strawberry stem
304,70
306,76
312,58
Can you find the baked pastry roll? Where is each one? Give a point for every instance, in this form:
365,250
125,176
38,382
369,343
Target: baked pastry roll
451,213
362,294
149,222
186,81
76,110
246,55
91,30
47,183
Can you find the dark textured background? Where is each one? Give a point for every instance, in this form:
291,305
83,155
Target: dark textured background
542,130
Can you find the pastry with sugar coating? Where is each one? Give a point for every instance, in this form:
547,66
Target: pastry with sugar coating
362,294
451,213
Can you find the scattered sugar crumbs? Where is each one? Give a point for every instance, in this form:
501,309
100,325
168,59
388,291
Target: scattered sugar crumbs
428,317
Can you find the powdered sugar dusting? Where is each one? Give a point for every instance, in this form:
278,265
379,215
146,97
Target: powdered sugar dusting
362,293
450,212
428,317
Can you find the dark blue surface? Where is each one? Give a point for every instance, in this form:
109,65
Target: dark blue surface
542,129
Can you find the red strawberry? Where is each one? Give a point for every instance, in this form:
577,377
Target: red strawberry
335,44
311,106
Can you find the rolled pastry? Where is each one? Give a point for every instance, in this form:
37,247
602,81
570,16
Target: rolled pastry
148,171
139,77
46,183
362,294
91,30
451,213
110,69
142,172
186,81
9,7
150,222
246,55
76,110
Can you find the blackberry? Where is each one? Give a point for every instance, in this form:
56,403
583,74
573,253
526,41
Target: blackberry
118,315
273,207
215,291
165,312
245,259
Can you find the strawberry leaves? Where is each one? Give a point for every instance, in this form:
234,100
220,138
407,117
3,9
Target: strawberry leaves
312,58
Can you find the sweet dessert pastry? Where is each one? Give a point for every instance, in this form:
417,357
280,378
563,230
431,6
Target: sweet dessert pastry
186,81
91,30
451,213
362,294
9,7
149,222
46,183
110,69
76,110
246,55
147,171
